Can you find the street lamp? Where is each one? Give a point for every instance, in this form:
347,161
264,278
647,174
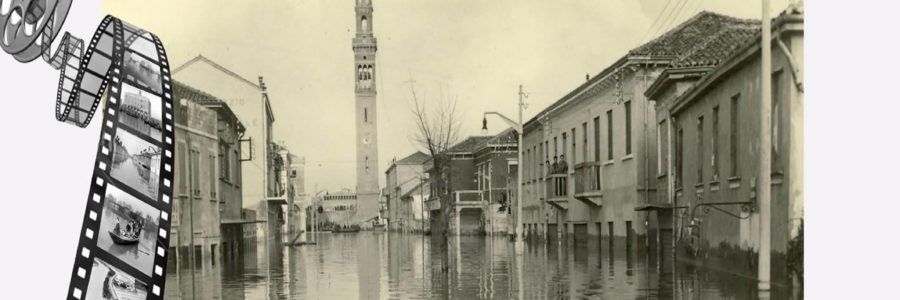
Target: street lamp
518,127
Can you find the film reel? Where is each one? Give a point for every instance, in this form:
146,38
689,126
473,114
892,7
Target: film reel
125,235
124,239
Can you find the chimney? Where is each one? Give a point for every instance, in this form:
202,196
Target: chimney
587,76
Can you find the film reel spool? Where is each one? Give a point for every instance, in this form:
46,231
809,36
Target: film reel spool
133,174
133,171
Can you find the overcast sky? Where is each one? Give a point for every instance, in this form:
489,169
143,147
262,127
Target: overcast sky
478,51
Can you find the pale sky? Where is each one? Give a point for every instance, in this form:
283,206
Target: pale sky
479,51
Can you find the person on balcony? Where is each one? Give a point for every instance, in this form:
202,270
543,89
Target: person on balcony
563,166
555,166
563,169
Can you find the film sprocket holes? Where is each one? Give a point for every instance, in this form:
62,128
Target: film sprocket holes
124,239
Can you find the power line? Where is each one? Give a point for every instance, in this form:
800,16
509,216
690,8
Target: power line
658,16
673,14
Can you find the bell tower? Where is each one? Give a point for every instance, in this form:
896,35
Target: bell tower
364,48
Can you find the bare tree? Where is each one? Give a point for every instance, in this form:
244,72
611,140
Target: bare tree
437,129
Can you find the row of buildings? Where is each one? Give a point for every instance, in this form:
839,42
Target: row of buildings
234,184
662,148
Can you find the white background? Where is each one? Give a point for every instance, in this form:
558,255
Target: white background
45,174
851,161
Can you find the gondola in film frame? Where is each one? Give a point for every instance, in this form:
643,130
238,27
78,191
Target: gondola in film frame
102,64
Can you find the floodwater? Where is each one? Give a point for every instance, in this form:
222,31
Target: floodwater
127,173
139,256
368,265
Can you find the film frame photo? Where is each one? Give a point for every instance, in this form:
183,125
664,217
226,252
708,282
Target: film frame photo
122,249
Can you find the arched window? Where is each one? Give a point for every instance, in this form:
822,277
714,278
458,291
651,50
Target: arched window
364,24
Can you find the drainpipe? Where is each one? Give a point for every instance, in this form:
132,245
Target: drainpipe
765,155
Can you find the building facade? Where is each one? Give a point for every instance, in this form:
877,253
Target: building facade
335,209
495,177
709,131
477,183
364,47
250,103
196,212
605,132
401,178
229,131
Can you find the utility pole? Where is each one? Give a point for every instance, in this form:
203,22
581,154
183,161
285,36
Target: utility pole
519,128
519,166
765,153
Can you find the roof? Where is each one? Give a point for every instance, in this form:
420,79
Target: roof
200,58
414,159
415,190
471,144
702,38
793,14
697,32
184,91
507,136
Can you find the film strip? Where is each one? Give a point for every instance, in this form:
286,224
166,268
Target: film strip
124,238
125,235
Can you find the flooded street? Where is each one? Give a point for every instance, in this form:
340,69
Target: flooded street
369,265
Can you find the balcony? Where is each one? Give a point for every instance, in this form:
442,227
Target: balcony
467,199
557,190
588,183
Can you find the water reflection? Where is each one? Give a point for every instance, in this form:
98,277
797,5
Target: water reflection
367,265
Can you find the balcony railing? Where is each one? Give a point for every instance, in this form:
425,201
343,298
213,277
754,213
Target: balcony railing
588,182
470,198
588,177
557,186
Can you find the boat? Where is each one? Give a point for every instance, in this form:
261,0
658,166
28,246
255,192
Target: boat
121,239
341,229
378,227
125,289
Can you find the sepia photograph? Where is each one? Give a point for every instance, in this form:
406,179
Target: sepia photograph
141,111
136,163
480,149
109,283
128,229
142,71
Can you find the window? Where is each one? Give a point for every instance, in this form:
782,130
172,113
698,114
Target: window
555,148
597,139
366,115
224,163
563,145
367,164
572,159
181,166
527,163
364,24
609,134
195,171
541,159
212,175
679,158
584,142
715,143
661,147
700,149
627,127
735,135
